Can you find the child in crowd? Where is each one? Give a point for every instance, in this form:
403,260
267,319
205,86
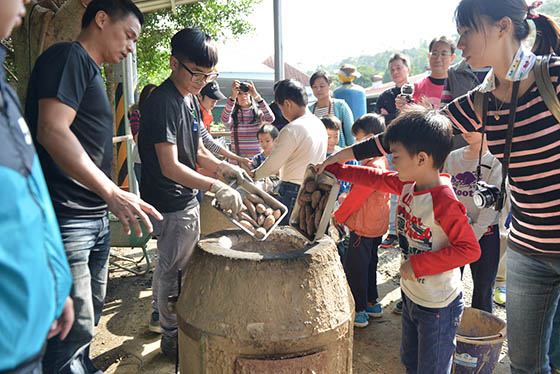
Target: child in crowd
333,126
243,114
266,135
433,230
366,229
462,166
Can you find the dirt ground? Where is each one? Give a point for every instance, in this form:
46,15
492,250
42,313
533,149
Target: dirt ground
123,344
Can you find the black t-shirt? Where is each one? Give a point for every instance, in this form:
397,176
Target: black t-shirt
387,101
167,117
66,72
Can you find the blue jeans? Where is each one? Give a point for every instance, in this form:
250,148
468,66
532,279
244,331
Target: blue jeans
86,242
428,336
287,195
533,320
360,266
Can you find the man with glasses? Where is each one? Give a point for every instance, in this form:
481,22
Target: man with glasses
170,148
442,54
71,122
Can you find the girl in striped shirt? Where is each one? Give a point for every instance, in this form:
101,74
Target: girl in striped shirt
490,35
243,114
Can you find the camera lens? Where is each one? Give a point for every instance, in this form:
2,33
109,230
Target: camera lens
484,198
244,87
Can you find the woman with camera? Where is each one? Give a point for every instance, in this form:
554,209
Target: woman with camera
490,35
243,114
321,84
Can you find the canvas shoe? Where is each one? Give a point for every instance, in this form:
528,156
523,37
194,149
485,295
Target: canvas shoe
398,307
374,310
500,295
361,319
168,346
154,325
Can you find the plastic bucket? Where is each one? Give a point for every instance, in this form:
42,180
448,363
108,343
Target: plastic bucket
479,342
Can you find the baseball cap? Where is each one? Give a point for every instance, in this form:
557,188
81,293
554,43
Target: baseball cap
212,90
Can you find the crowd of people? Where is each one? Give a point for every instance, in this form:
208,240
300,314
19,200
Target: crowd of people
444,171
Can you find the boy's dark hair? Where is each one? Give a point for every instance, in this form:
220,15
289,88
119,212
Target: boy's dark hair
331,122
369,123
442,39
268,129
420,129
115,9
320,74
195,46
290,89
399,56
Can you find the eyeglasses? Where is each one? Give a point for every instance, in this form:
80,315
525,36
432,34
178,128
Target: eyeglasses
440,54
200,77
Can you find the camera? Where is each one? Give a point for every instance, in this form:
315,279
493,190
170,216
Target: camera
487,195
244,87
407,90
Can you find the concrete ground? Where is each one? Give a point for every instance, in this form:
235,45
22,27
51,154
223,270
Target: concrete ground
124,345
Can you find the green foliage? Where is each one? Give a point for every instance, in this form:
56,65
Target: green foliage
221,19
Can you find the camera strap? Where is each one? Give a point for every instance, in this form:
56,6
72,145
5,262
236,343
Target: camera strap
509,137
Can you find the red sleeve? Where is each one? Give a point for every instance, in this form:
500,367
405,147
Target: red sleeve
374,178
463,247
352,203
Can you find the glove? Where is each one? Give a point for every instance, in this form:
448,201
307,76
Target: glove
227,197
228,172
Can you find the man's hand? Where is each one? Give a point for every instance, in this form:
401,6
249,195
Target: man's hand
64,323
127,207
245,163
407,273
228,172
227,197
400,102
339,157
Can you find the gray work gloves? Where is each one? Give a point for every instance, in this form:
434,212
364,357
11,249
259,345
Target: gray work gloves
228,172
227,197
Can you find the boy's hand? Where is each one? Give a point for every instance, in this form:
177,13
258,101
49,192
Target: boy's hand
337,158
407,273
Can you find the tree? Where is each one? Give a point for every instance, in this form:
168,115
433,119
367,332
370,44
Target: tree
221,19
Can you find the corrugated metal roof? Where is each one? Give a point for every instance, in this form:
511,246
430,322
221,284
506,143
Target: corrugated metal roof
147,6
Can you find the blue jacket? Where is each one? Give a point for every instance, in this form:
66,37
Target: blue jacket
344,114
35,277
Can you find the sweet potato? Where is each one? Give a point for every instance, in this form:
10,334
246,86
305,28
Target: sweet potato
247,225
315,198
268,222
260,232
268,211
324,187
260,219
317,220
304,198
310,186
246,217
301,221
310,224
255,198
277,213
260,208
323,202
250,208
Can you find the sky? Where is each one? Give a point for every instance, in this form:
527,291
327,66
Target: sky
324,32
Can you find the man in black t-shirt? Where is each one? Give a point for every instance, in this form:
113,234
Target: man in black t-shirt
72,125
399,68
170,148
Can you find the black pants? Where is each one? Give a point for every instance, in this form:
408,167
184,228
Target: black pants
360,266
484,270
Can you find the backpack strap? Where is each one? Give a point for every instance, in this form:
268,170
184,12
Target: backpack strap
544,84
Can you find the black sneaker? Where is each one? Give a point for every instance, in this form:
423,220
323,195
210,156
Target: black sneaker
389,241
154,325
398,307
168,346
